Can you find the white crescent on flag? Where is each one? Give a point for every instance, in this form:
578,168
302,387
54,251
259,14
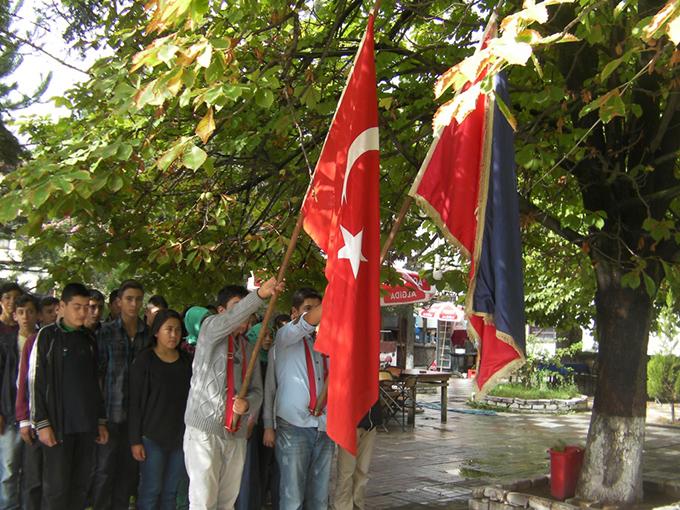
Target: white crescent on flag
364,142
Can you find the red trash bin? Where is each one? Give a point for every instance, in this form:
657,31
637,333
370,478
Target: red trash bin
565,466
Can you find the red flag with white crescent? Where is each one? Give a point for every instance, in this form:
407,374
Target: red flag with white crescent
341,214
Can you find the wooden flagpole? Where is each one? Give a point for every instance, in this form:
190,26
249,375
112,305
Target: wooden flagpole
401,216
272,302
254,358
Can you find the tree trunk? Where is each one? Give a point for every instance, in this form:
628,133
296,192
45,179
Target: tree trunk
672,411
612,468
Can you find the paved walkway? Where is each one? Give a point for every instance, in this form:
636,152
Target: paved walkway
436,465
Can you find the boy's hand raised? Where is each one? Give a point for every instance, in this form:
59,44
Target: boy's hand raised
269,288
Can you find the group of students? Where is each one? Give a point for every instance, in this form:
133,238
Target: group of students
95,413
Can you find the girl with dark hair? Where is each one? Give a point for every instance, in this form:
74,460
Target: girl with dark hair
159,387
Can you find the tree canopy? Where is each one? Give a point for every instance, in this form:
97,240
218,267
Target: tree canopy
187,154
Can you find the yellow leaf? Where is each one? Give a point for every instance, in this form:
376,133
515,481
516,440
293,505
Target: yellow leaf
510,50
466,102
659,19
515,23
139,59
466,71
175,83
446,80
206,127
204,58
530,36
674,29
557,2
443,115
186,58
458,108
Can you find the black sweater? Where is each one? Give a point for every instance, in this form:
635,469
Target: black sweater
158,398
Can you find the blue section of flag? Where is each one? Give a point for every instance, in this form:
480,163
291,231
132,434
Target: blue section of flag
499,289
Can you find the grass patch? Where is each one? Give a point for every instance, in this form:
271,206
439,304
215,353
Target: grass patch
519,391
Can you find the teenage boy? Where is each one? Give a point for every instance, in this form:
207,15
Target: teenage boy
95,311
114,306
303,450
25,315
66,402
214,452
119,341
32,463
47,310
352,472
153,306
9,292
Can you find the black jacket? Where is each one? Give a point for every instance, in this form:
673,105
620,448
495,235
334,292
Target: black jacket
46,378
373,418
9,369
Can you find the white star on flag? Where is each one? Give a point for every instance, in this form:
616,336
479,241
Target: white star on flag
352,249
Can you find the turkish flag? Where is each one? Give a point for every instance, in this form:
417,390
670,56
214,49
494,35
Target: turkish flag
341,214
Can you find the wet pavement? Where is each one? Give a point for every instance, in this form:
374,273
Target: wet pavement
436,465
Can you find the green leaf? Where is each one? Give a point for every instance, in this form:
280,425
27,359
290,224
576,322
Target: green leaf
115,182
39,195
621,6
171,154
9,209
194,157
124,152
610,68
505,110
62,102
264,98
99,181
631,280
650,286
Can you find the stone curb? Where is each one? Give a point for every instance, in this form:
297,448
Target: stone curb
538,405
509,496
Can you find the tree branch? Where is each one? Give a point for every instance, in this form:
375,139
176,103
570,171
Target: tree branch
549,222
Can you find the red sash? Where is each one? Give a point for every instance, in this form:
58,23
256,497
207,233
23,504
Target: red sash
229,411
311,379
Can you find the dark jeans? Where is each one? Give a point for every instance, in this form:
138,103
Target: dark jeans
117,472
269,473
159,478
31,480
66,471
250,495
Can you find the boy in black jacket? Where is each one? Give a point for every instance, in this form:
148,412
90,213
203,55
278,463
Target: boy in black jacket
66,402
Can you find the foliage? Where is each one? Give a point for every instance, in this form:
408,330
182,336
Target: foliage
546,372
663,378
520,391
10,99
187,155
128,179
190,149
667,321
